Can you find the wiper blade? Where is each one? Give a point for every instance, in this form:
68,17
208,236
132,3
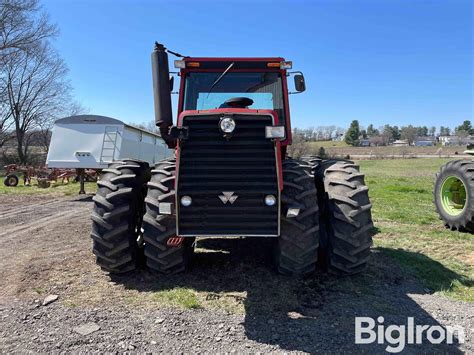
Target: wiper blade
219,78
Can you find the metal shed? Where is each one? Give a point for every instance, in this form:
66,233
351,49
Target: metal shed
93,142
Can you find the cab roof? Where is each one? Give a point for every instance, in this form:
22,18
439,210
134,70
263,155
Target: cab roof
239,62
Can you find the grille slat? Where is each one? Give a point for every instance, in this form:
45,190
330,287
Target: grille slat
231,152
211,164
226,168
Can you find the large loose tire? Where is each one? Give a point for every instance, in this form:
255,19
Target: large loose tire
10,180
117,216
454,195
346,220
296,250
159,228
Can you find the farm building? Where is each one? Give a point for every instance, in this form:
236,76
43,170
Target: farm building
456,140
425,141
401,143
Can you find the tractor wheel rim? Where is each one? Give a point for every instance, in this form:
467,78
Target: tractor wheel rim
453,196
11,180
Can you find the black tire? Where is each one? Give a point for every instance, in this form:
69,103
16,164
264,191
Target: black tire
296,250
117,215
158,228
462,171
346,219
10,180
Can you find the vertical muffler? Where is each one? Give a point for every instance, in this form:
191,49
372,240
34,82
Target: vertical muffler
162,92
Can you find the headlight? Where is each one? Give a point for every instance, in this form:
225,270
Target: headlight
227,125
186,201
274,132
270,200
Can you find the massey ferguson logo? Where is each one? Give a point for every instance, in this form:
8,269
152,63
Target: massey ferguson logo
228,197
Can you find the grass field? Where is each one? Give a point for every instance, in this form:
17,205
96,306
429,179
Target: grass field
404,215
57,188
341,149
329,144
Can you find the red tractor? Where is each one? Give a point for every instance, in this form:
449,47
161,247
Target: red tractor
230,177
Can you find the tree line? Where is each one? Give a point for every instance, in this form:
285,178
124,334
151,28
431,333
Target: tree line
387,134
320,133
34,89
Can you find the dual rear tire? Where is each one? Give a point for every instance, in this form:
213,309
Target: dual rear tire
117,216
159,223
346,219
127,226
325,213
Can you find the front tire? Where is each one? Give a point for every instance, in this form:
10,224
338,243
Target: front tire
296,250
454,195
346,219
158,227
117,214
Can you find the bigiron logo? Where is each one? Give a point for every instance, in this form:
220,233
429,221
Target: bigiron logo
397,336
228,196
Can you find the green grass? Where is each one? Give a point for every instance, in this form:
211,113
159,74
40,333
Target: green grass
56,188
410,231
180,297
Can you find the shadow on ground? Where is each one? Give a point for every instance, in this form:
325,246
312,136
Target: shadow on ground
313,314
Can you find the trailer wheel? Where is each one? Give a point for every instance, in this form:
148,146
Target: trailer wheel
160,226
117,215
10,180
296,250
454,195
346,220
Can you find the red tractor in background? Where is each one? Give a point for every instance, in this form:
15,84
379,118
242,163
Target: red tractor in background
230,177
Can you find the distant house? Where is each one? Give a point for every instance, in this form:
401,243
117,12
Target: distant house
401,143
364,143
449,140
425,141
455,140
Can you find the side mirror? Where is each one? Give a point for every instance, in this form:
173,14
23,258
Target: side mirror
300,85
171,82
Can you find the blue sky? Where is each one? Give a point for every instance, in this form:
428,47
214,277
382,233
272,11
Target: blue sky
379,61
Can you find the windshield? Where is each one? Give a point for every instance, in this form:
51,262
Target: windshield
265,89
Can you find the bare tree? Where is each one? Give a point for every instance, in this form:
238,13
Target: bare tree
5,115
22,26
34,91
339,132
37,92
409,133
299,146
76,108
149,126
45,127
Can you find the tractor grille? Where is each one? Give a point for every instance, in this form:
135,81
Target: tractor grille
210,165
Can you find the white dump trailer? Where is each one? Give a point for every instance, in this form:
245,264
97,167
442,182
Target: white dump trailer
93,142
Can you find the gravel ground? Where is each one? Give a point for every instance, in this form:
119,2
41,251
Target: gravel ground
45,250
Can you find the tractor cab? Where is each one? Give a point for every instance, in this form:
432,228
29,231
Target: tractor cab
229,84
238,83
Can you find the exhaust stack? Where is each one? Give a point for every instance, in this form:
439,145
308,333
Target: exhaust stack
162,92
